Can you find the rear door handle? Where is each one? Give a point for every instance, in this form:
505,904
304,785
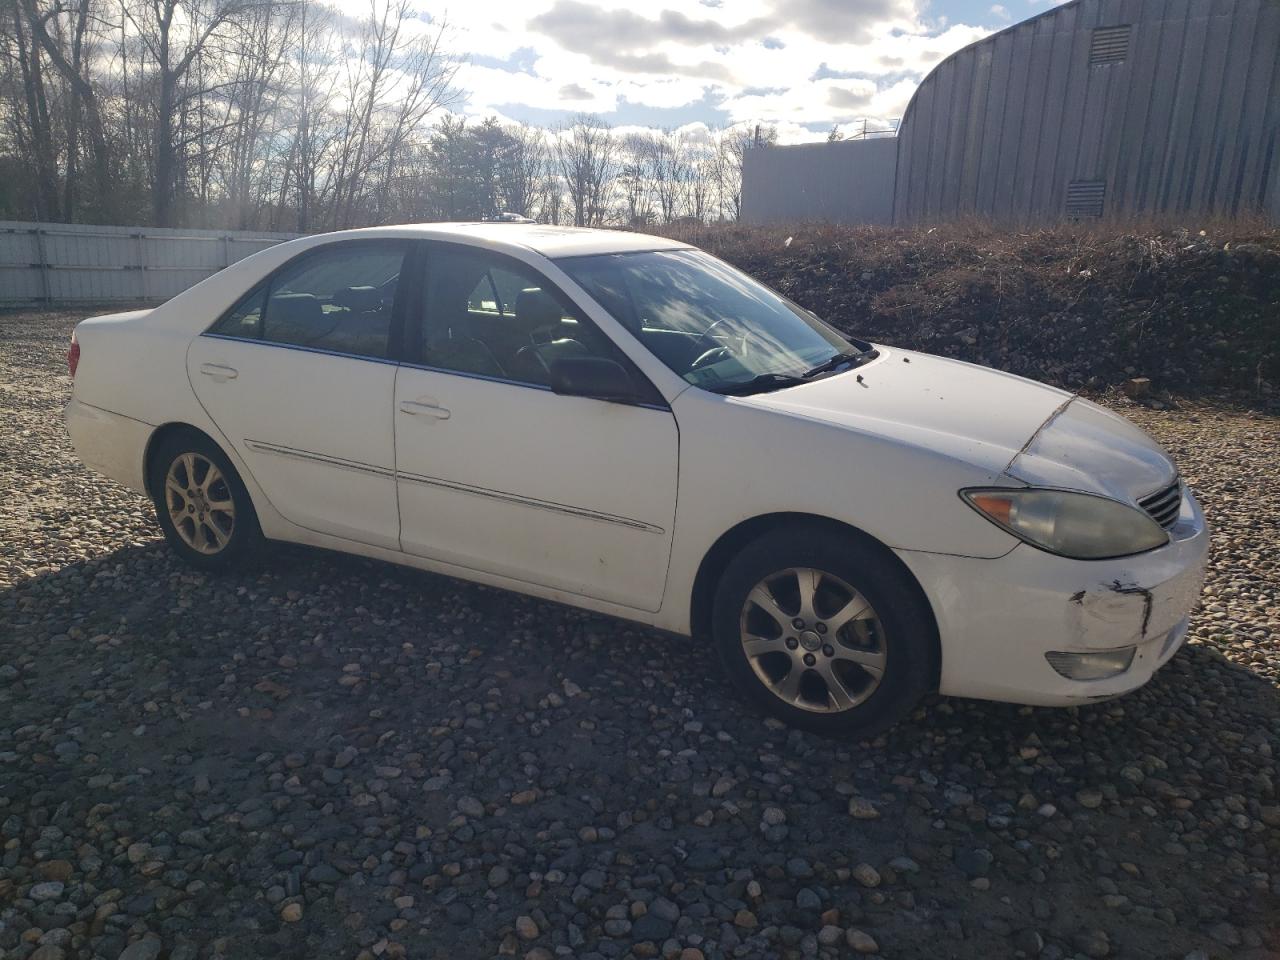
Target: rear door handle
415,409
219,371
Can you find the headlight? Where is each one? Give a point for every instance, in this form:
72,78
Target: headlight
1077,525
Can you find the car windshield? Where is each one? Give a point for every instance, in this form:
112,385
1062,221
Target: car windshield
713,325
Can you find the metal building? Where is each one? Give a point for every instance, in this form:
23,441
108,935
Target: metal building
849,181
1101,108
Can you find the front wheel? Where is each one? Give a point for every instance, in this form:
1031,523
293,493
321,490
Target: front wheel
203,507
824,631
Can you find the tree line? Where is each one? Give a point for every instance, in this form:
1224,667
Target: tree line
289,115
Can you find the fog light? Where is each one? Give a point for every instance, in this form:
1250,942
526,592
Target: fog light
1092,666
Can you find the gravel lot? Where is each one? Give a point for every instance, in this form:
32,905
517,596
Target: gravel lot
329,757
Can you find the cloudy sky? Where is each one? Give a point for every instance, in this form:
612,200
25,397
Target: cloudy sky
803,65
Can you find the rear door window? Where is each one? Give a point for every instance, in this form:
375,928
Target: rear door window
339,299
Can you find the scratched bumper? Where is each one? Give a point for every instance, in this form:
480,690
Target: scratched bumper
998,618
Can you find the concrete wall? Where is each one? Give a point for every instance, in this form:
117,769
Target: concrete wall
64,262
1018,124
846,182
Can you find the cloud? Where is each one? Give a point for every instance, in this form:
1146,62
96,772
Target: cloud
844,99
626,41
1001,11
584,26
802,65
848,21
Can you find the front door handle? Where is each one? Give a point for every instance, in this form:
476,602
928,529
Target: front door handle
414,409
219,371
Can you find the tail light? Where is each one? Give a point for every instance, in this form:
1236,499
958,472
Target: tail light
73,356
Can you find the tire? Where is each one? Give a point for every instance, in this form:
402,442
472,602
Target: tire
882,659
210,525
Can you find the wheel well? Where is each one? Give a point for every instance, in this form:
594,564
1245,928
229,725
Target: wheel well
158,436
732,541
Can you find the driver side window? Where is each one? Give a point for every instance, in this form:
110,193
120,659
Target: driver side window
488,315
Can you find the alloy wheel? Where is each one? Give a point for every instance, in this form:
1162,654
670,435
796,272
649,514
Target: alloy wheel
814,641
198,499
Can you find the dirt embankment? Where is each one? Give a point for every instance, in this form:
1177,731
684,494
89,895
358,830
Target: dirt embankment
1198,313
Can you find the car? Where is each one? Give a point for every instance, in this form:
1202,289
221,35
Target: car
626,424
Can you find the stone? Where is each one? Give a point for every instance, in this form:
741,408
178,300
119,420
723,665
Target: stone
1089,799
147,948
1136,388
860,808
59,870
526,929
830,935
861,941
47,890
866,874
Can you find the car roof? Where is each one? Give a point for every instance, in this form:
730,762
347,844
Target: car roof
546,239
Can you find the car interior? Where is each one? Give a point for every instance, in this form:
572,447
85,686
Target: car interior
352,319
492,322
681,350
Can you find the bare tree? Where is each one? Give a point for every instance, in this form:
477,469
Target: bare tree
32,127
731,146
585,151
251,114
286,114
71,64
670,173
522,168
312,97
174,33
635,178
395,83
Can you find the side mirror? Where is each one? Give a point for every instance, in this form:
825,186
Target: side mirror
592,377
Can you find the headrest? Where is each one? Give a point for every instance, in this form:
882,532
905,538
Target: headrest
357,299
293,309
536,308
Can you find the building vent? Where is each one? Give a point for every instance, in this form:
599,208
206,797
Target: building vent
1086,198
1110,45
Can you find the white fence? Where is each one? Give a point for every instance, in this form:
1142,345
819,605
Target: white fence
69,263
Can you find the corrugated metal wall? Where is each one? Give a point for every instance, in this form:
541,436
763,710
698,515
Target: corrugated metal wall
1019,124
846,182
78,262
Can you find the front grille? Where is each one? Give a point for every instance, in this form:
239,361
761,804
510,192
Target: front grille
1164,505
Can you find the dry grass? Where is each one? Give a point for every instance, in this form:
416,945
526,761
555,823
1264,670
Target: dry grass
1081,305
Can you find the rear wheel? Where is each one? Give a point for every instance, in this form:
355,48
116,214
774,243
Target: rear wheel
824,631
201,503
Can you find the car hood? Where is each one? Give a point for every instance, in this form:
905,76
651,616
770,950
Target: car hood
1003,424
972,413
1085,447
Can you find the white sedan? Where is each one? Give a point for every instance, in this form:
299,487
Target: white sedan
626,424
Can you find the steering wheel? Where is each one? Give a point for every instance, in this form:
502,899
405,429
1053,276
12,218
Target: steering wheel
706,359
706,335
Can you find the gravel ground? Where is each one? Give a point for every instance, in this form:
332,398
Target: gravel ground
329,757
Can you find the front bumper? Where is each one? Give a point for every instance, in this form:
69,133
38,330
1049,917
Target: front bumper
998,618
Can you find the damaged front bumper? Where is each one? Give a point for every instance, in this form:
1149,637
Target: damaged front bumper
1015,628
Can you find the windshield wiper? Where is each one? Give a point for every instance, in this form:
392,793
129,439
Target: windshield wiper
854,358
761,384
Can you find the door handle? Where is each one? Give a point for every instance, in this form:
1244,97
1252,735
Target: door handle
219,371
414,409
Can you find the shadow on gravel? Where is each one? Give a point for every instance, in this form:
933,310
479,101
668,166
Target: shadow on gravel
328,754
